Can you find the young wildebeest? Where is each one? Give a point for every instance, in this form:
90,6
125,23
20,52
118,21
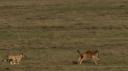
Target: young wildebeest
14,58
88,55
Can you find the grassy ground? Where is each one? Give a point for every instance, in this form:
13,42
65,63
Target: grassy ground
50,32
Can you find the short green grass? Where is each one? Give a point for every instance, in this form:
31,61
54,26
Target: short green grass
50,32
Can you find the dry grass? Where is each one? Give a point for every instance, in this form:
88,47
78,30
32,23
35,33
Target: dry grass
50,32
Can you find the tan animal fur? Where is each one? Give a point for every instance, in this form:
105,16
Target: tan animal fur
15,59
88,55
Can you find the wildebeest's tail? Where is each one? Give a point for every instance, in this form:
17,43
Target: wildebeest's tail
96,52
78,51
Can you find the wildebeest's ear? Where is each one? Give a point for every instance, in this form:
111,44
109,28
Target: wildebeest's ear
22,53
